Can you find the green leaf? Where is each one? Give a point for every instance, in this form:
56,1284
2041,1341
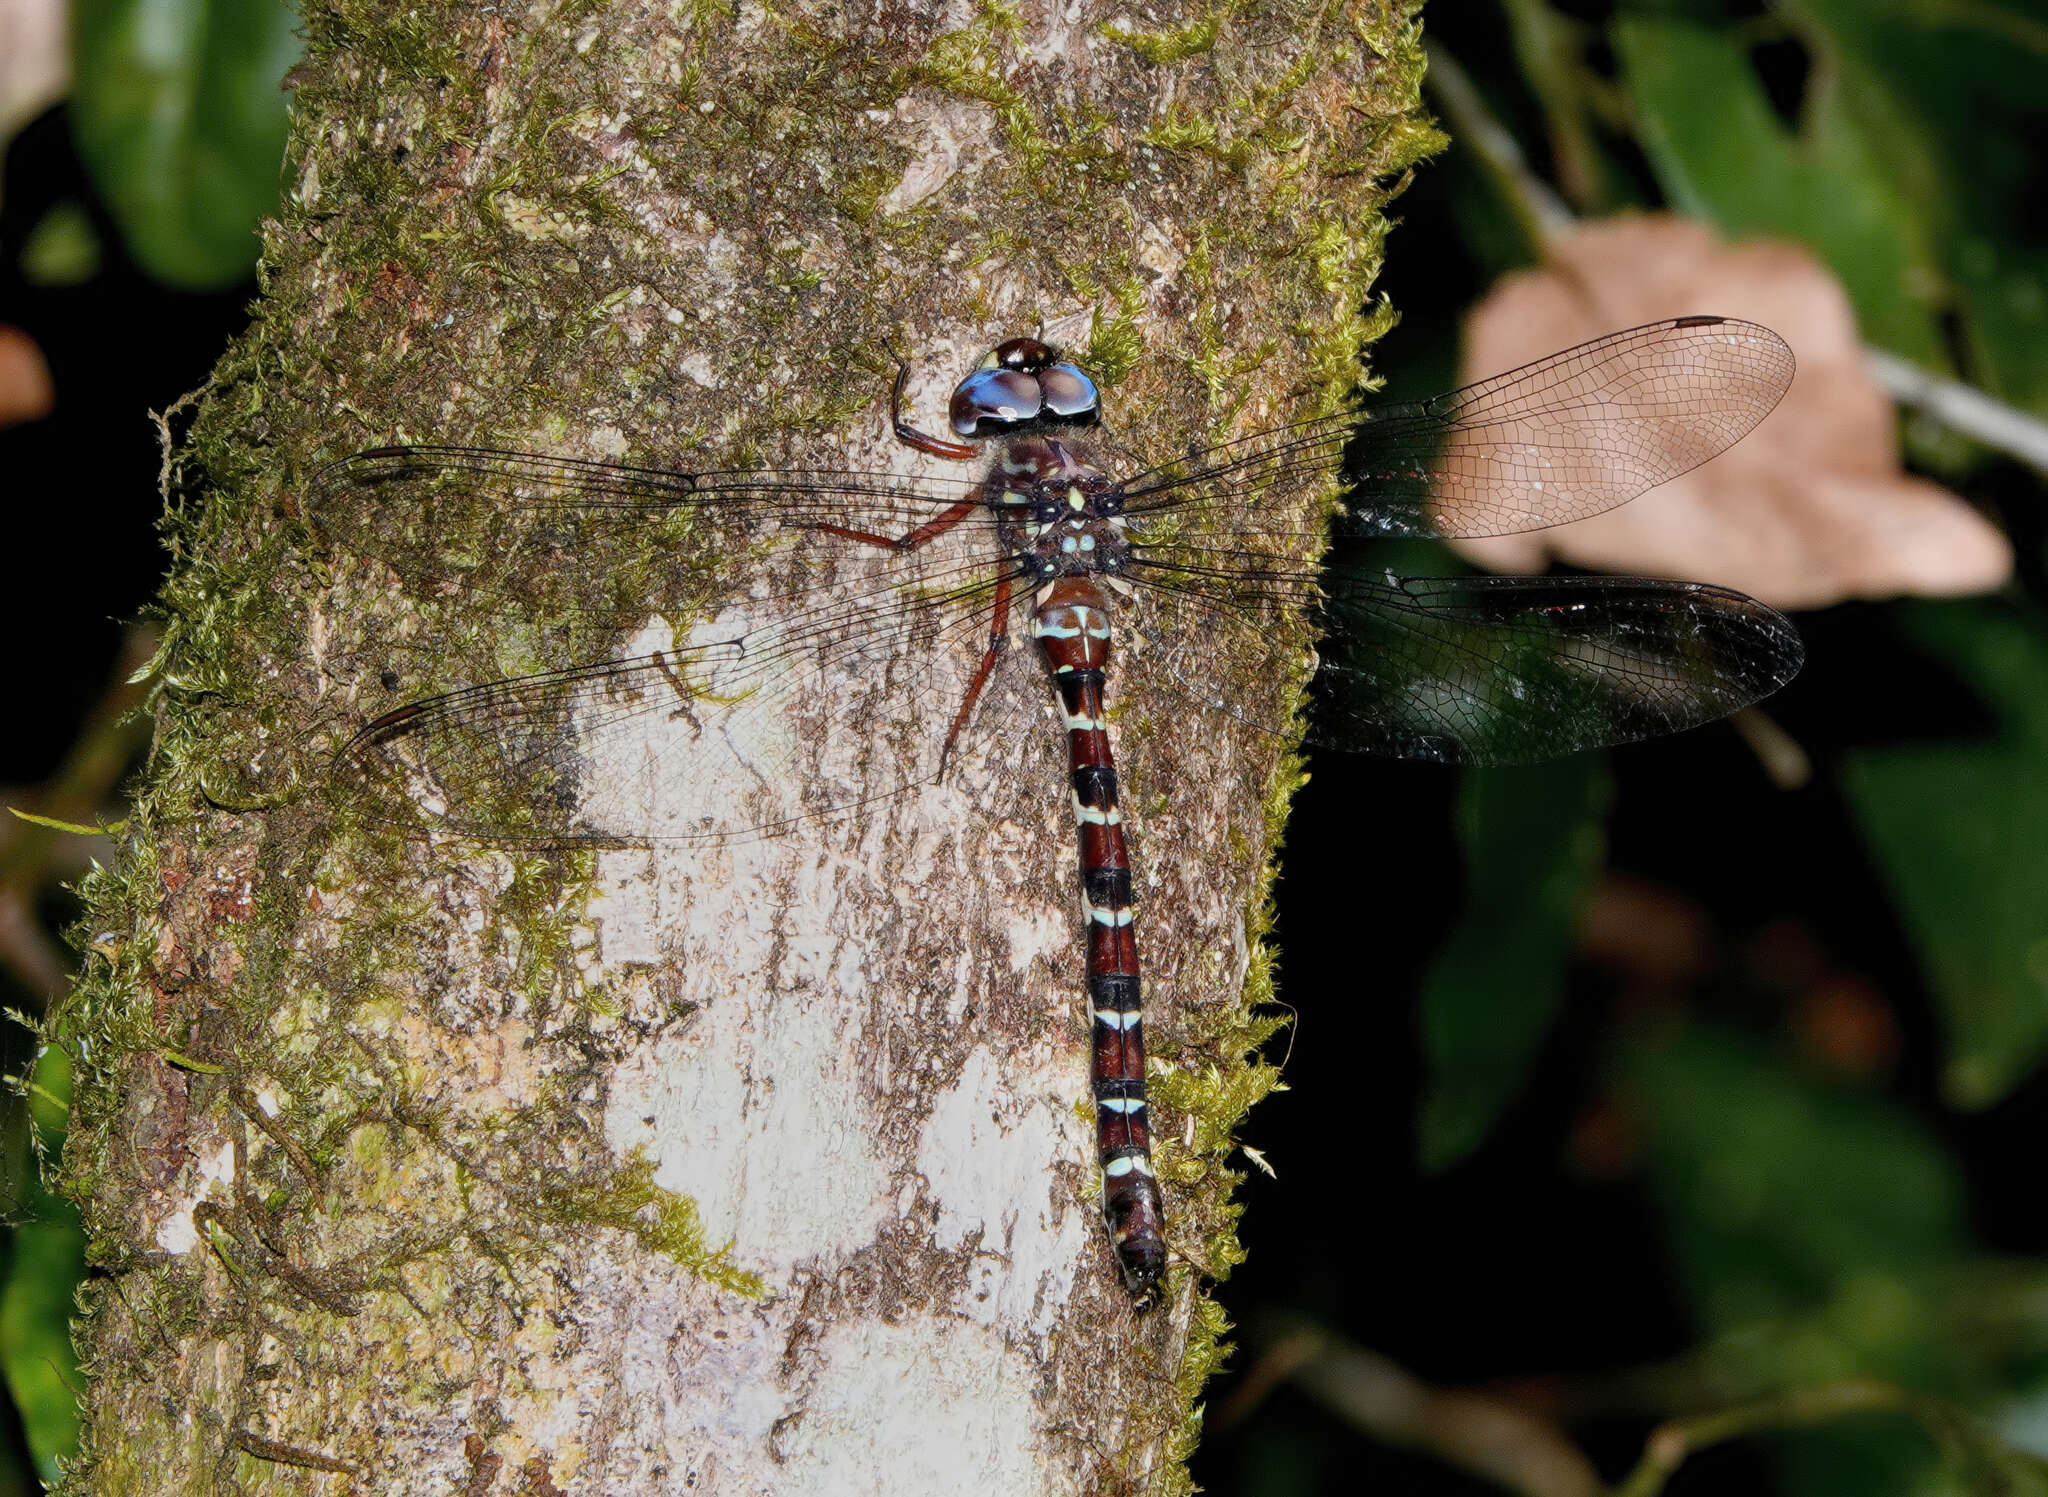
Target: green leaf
45,1264
1960,830
1533,842
72,827
180,117
1785,1191
1721,152
1949,94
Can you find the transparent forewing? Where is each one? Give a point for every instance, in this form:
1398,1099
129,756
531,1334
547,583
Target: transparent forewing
578,537
1510,670
765,714
1564,438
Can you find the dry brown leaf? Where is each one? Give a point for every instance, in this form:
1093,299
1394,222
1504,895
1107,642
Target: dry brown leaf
26,393
1809,509
35,61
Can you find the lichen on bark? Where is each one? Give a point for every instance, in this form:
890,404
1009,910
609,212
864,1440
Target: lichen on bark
462,1168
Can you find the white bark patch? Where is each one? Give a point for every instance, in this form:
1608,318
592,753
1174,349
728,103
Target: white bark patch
990,1169
949,135
1040,934
930,1405
177,1232
1057,43
745,1109
691,1383
705,1393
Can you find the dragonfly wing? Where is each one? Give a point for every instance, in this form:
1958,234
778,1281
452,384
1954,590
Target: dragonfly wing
751,722
571,537
1510,670
1564,438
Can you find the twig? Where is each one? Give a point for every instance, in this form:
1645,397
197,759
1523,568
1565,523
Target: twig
287,1455
1961,408
31,845
1955,1430
1544,214
1784,759
26,950
1275,1365
1486,1436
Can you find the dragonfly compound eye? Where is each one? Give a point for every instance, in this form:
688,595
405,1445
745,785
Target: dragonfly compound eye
993,400
1066,394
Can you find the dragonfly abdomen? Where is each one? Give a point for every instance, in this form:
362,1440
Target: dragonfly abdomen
1071,625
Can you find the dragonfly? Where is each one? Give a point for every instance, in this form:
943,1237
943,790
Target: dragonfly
757,623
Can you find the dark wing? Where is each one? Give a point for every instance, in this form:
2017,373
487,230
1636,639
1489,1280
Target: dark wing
749,721
1566,437
1509,670
568,536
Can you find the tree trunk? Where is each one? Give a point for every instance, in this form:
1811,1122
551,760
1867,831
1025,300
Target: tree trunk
413,1165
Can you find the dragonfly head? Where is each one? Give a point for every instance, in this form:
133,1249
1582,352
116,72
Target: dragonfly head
1023,385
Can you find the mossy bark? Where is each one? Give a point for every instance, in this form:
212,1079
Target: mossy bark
417,1166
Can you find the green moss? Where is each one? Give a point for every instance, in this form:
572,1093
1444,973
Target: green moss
1186,129
662,1222
1175,44
1347,257
1207,1351
967,63
1117,342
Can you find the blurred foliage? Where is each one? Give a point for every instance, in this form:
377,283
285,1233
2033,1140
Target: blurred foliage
1961,830
1949,96
1907,170
1915,170
62,250
1722,154
47,1258
1785,1191
1903,143
1815,1223
1532,842
1824,1219
179,110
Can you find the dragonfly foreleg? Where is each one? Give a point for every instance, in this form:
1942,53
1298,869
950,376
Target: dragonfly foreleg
909,435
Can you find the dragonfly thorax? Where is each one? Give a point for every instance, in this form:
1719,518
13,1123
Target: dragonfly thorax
1056,509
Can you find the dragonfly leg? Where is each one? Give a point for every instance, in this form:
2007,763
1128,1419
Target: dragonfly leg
910,540
909,435
998,637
